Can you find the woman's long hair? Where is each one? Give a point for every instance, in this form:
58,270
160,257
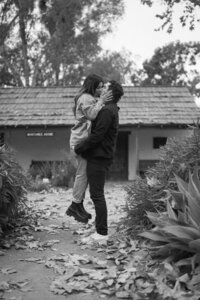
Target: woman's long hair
89,86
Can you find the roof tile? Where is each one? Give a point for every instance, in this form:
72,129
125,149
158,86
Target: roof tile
139,105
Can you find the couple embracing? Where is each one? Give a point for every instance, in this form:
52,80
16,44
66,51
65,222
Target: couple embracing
93,140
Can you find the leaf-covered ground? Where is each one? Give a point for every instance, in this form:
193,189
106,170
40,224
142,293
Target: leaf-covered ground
43,258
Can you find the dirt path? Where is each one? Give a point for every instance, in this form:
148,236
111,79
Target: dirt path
47,261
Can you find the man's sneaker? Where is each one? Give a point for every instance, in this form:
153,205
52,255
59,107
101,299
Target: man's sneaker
95,238
87,214
75,210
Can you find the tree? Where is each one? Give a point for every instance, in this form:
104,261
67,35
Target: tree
13,13
174,64
56,40
74,29
113,65
190,10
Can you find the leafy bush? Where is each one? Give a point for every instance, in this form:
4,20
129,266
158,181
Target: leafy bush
60,173
178,229
148,193
141,197
63,174
37,185
12,187
40,170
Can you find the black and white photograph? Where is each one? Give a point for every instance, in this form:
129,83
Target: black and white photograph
99,149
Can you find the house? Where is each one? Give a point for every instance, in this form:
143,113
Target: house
36,122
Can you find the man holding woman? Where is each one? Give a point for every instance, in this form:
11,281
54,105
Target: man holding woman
98,151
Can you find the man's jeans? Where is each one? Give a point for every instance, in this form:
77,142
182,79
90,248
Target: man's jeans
96,173
81,182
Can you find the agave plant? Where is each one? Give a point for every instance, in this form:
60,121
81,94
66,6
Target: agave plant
178,227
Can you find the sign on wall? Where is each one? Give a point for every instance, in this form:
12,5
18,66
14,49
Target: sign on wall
39,134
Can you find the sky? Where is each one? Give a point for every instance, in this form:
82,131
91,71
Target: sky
136,33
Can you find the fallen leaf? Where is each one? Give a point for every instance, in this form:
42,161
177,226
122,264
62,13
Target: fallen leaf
70,272
8,270
6,245
50,243
19,246
33,259
123,295
19,284
33,245
110,282
26,289
4,286
109,292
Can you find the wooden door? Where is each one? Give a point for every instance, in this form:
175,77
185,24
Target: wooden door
119,169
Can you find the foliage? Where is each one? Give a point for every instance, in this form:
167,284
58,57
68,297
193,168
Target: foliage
178,228
115,65
133,273
188,12
38,185
52,43
63,174
178,156
59,173
40,170
176,64
141,197
16,14
12,187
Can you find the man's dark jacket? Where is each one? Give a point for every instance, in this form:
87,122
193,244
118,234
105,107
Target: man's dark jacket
100,145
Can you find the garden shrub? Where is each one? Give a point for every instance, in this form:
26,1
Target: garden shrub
37,185
40,169
13,185
177,231
63,173
59,173
178,156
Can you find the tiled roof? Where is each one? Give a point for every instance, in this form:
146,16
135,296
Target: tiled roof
140,105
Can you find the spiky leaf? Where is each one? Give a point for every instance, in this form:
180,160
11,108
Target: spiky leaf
195,178
179,200
182,185
182,232
193,189
193,208
158,219
170,212
195,244
155,236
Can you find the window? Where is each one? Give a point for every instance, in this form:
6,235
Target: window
159,141
44,169
2,139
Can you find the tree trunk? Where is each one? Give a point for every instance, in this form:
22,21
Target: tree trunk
36,70
24,42
5,34
10,66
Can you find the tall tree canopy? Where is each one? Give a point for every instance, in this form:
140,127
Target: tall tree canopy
52,42
189,12
15,15
115,65
174,64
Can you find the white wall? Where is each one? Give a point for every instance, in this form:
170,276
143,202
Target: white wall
141,145
52,148
145,140
38,148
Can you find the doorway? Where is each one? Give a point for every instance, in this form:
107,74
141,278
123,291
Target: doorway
119,168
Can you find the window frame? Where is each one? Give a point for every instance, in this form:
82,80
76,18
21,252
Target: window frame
159,141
